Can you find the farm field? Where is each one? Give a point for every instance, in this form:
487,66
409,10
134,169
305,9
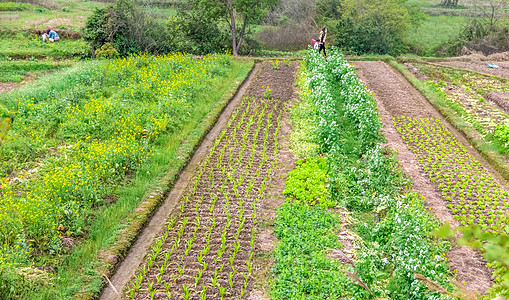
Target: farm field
79,152
207,249
445,162
217,239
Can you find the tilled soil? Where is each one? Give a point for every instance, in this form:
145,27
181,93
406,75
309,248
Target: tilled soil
208,246
396,97
488,113
480,67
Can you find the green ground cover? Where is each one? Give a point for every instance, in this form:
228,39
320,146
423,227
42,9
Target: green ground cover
13,71
99,133
25,46
391,222
46,13
434,31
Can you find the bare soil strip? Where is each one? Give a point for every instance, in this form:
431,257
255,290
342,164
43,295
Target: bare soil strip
396,97
135,256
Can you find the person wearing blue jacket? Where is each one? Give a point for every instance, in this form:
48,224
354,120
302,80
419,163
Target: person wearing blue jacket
51,35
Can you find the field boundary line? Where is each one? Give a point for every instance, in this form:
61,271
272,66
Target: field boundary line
160,202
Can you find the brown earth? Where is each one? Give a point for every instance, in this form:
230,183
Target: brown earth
395,97
7,87
272,200
499,99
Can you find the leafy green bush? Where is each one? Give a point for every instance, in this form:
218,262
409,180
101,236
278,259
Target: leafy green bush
127,27
307,183
107,51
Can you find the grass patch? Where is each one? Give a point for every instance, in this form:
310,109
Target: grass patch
13,71
433,32
80,273
23,46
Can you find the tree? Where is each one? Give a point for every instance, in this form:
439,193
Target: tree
239,14
493,11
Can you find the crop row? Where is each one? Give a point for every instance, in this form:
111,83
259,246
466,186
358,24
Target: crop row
392,229
473,194
207,249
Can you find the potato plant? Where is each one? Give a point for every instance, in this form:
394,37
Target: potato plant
207,249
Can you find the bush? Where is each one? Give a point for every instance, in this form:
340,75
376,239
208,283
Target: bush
107,51
367,37
375,26
127,28
189,32
293,36
477,35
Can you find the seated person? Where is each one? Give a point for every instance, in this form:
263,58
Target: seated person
51,35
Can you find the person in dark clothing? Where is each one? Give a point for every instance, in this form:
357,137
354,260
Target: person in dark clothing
321,41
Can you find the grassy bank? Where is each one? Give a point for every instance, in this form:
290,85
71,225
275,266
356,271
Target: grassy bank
25,46
14,71
139,144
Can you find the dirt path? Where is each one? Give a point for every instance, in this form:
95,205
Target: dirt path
139,249
396,97
7,87
218,203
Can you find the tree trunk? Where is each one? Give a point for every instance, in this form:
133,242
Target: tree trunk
233,28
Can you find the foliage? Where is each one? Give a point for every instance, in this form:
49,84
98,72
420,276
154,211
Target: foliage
374,26
106,51
193,32
303,270
84,134
240,15
127,27
394,226
14,6
307,182
95,31
501,132
303,117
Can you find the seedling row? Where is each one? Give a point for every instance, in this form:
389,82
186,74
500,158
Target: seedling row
473,195
207,248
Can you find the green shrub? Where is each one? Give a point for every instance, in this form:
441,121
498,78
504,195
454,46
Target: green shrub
107,51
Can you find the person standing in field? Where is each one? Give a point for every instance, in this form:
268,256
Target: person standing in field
321,41
51,35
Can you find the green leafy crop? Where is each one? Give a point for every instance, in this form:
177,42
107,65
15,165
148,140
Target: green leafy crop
307,183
